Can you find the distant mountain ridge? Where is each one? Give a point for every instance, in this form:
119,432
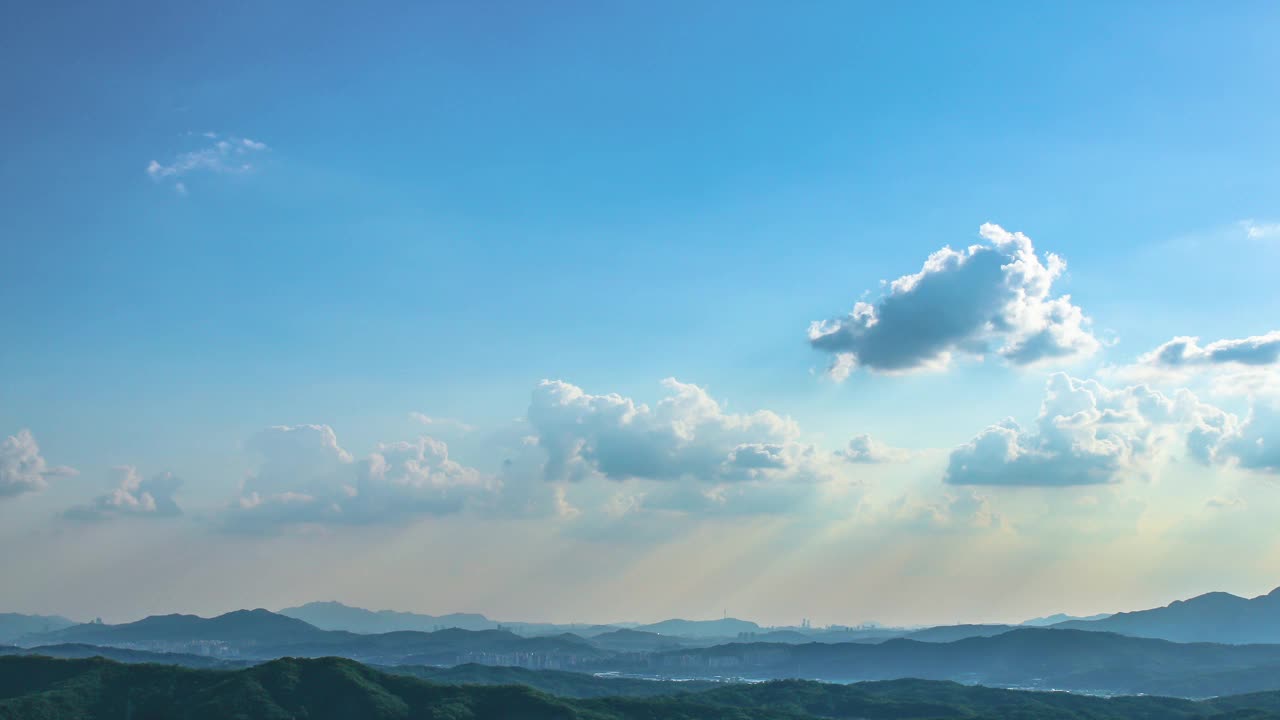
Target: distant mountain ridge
725,627
951,633
15,625
1056,618
1040,658
1213,617
261,634
240,627
331,615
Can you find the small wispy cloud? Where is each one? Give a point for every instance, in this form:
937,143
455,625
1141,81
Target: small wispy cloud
226,154
1224,503
1255,230
424,419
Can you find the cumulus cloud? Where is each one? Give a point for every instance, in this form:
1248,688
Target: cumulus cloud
685,454
993,297
23,469
1246,367
306,478
1253,444
863,449
1187,351
1085,434
686,435
221,155
134,496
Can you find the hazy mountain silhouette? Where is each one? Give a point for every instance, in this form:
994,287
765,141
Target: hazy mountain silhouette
240,628
1214,617
1056,618
264,634
336,616
15,625
951,633
726,627
1027,657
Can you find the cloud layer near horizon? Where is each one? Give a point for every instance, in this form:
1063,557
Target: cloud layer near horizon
134,497
306,478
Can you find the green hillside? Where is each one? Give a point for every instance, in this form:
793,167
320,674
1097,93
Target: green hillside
40,688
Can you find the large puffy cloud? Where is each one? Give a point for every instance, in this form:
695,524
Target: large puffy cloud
1086,434
134,496
22,468
1247,367
685,454
995,297
686,435
307,478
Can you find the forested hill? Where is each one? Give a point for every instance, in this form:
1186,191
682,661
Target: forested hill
39,688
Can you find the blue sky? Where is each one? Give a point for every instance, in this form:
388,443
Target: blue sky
432,208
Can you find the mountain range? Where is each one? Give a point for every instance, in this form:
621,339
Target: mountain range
1056,618
14,625
336,616
1214,617
35,688
1043,658
1212,644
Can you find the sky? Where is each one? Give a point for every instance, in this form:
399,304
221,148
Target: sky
911,313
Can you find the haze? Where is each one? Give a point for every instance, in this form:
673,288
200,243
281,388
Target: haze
922,314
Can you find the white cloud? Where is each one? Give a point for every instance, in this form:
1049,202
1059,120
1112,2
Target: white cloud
686,435
686,454
1260,231
864,449
1085,434
1186,351
134,496
441,422
1244,367
995,297
307,478
224,155
1252,445
22,468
